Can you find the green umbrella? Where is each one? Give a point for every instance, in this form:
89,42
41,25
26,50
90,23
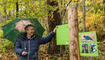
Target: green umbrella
13,30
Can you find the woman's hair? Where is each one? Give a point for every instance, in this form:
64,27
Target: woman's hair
30,25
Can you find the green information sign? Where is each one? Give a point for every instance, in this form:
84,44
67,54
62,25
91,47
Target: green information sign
88,44
62,34
87,40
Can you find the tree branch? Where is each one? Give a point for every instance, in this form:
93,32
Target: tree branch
68,3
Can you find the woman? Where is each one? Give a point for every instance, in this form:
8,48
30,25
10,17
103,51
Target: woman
28,44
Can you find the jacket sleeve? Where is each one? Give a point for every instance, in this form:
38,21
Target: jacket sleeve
17,48
44,40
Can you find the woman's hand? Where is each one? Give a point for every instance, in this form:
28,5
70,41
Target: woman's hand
54,30
24,53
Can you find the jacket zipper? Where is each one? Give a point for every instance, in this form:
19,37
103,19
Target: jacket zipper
29,47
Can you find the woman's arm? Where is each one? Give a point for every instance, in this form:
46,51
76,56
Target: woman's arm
18,47
44,40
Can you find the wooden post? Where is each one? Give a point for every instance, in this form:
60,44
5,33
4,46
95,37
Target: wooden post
84,24
73,33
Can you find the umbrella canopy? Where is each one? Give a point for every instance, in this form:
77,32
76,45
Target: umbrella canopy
21,25
14,29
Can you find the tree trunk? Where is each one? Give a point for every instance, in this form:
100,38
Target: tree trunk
84,24
53,48
17,8
84,16
5,10
104,11
73,34
90,58
104,5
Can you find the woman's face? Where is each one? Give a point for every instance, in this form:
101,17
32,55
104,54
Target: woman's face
30,30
